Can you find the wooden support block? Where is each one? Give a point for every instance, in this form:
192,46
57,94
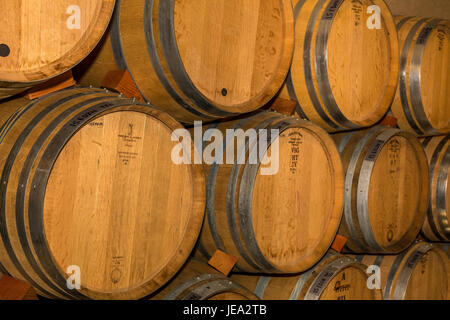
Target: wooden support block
284,106
339,243
222,262
58,83
389,120
121,81
12,289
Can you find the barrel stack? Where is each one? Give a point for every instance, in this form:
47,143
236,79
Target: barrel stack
224,150
422,107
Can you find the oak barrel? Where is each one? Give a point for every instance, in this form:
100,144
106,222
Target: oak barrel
278,214
198,281
336,277
41,39
386,189
345,67
436,226
420,273
199,59
89,188
422,102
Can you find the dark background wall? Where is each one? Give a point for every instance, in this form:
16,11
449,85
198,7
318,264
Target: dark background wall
421,8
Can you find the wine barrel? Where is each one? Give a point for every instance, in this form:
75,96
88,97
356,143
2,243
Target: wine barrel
336,277
42,39
277,213
420,273
386,189
436,226
82,171
345,67
422,103
198,281
198,59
